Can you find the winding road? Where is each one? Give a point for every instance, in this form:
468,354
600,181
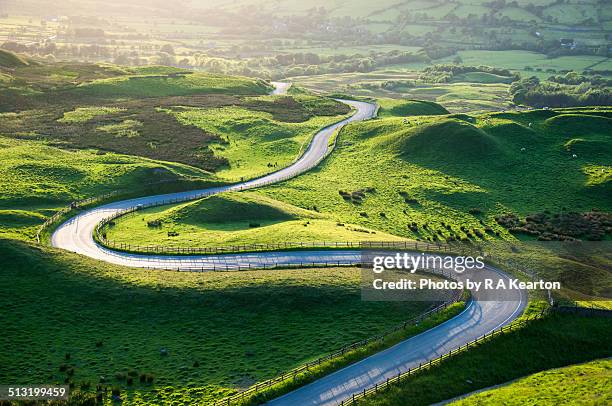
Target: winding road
482,316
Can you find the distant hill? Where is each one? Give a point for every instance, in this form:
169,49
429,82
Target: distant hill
11,60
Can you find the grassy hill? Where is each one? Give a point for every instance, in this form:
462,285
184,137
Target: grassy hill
401,108
75,130
12,60
37,179
445,176
160,113
234,219
584,383
196,336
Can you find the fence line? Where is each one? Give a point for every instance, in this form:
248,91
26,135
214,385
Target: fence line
292,374
74,205
354,399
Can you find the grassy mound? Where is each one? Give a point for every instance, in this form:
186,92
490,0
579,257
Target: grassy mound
235,219
37,179
173,84
585,383
450,140
10,60
231,207
198,336
580,122
402,108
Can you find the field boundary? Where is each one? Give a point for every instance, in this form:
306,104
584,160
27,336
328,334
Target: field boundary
292,374
113,195
515,325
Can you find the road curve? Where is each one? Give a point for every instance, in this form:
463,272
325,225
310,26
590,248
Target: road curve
76,234
480,317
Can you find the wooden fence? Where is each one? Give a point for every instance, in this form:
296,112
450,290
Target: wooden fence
354,399
305,368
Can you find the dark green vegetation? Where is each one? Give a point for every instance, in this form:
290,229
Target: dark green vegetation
204,335
353,356
556,341
591,226
562,91
461,73
584,383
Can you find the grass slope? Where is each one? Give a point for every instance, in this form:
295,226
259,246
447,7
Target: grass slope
432,173
556,341
221,331
588,383
257,142
211,121
234,219
400,108
11,60
37,179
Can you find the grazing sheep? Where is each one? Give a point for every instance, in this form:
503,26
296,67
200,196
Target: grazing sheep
523,149
574,156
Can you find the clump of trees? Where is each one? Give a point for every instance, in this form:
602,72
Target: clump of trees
532,92
444,73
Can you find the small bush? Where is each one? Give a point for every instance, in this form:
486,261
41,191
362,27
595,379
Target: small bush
254,225
154,223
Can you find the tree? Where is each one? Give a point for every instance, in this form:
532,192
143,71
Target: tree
167,48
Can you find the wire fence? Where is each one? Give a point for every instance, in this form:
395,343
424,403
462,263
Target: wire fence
305,368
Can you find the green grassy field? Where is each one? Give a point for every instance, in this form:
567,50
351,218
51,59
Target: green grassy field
37,179
556,341
254,142
221,331
434,175
585,383
210,121
65,127
471,92
234,219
